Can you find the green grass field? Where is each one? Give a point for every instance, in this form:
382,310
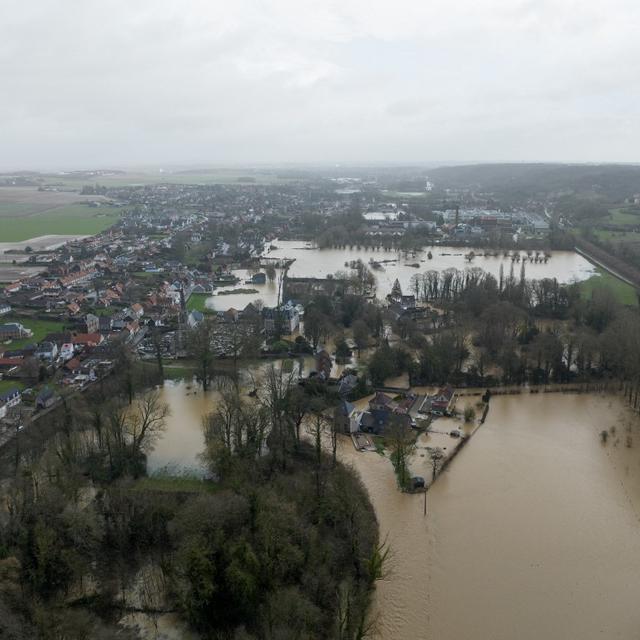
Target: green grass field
624,293
40,329
172,371
621,236
67,220
105,311
624,217
197,302
177,372
15,209
7,385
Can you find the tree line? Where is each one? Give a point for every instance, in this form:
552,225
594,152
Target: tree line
280,542
485,330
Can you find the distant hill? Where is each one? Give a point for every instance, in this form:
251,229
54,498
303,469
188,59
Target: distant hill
612,181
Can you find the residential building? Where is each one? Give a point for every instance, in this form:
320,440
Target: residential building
9,399
195,318
46,398
91,324
346,418
443,401
47,351
14,330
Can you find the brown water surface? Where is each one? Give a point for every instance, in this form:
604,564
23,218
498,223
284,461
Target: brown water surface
566,266
531,533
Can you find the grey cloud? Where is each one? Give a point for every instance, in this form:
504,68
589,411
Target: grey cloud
157,81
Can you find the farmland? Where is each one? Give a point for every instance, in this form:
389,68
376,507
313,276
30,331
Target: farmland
27,201
78,219
75,181
27,213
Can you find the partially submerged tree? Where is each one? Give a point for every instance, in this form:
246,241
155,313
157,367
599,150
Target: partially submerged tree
201,350
402,444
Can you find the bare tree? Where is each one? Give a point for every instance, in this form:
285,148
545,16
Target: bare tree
147,421
277,388
156,338
200,349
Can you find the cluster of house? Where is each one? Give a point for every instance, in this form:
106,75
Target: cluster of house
461,223
78,357
284,319
385,412
344,384
388,220
45,398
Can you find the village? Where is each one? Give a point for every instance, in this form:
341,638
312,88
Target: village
193,280
142,284
64,329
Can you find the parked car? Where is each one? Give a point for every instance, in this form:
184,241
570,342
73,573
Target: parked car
455,433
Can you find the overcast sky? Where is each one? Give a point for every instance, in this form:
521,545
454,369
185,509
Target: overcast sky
86,84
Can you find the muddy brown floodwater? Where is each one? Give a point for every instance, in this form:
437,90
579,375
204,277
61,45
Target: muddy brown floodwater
533,532
183,439
566,266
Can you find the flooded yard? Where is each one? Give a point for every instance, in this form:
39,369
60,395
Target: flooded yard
532,532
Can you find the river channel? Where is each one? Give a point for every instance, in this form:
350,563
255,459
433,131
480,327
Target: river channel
532,532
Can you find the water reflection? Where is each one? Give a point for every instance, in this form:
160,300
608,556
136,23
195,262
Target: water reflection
183,438
566,266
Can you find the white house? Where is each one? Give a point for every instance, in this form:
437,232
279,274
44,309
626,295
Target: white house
47,351
291,316
66,351
9,399
195,318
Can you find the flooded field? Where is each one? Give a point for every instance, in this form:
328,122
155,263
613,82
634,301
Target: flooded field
183,439
532,532
566,266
